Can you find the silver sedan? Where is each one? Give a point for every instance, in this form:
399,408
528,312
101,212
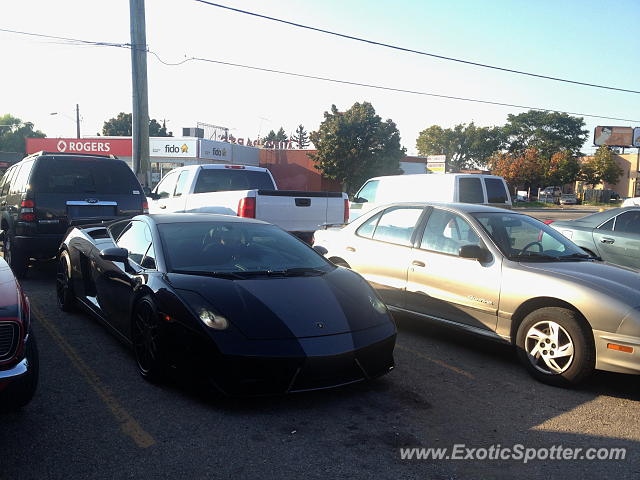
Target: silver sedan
502,275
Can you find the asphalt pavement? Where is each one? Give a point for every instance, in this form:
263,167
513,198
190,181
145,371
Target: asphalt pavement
94,417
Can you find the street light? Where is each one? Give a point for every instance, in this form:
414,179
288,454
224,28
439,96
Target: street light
77,120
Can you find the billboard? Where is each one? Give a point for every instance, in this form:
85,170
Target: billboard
613,136
636,137
173,147
214,150
120,147
436,163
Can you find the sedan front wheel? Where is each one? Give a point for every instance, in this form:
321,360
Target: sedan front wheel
556,346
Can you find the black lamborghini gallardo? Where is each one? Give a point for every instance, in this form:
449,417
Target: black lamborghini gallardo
244,304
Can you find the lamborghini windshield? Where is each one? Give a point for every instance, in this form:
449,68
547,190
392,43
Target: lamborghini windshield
521,238
237,248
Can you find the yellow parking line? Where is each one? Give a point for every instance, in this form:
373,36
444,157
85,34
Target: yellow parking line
457,370
128,424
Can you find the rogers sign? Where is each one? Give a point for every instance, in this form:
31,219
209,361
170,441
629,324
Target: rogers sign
111,146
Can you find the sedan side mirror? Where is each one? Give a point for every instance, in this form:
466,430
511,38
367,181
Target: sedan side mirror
115,254
147,191
475,252
321,250
360,200
153,196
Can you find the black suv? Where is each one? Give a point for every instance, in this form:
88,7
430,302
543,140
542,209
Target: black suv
46,193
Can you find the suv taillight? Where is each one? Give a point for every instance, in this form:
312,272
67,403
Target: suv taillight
27,211
247,207
145,207
346,210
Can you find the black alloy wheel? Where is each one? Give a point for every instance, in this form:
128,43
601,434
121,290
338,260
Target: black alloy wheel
147,340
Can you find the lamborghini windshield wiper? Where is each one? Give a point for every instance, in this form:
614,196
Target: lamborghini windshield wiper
205,273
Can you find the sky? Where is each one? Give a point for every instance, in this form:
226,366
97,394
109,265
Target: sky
587,41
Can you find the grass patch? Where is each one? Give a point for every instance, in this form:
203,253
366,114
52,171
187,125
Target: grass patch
535,205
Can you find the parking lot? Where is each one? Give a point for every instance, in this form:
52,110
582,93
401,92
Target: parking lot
94,416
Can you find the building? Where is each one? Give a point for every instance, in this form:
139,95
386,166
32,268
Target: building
628,185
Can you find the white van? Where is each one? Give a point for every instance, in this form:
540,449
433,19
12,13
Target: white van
448,187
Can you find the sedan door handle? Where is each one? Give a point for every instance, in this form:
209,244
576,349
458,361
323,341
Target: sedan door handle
607,240
418,263
350,249
162,206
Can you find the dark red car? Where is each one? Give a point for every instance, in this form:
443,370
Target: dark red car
18,350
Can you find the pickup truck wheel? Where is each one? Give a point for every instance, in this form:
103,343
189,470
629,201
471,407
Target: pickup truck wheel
64,288
14,257
556,346
21,390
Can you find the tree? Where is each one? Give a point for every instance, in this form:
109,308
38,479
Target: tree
465,146
600,168
13,133
281,136
301,137
121,126
274,137
549,132
356,145
524,169
562,168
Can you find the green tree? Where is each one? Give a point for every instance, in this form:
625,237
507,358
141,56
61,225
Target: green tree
602,167
274,137
301,137
281,136
549,132
465,146
13,133
356,145
121,126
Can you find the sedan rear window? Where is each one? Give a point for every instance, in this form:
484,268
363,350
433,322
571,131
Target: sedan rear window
77,175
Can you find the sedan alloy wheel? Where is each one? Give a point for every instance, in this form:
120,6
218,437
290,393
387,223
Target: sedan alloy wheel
550,347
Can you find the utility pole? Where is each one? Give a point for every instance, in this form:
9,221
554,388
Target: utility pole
77,121
140,116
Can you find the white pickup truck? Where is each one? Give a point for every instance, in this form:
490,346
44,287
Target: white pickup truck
247,192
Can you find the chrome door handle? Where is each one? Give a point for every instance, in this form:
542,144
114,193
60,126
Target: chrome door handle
607,240
350,249
418,263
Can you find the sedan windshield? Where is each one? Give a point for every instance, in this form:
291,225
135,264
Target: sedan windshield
521,238
237,250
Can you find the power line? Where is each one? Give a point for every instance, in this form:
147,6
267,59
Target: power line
75,41
314,77
402,90
418,52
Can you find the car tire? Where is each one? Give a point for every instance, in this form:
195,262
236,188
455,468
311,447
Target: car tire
64,287
556,346
147,338
21,390
14,257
